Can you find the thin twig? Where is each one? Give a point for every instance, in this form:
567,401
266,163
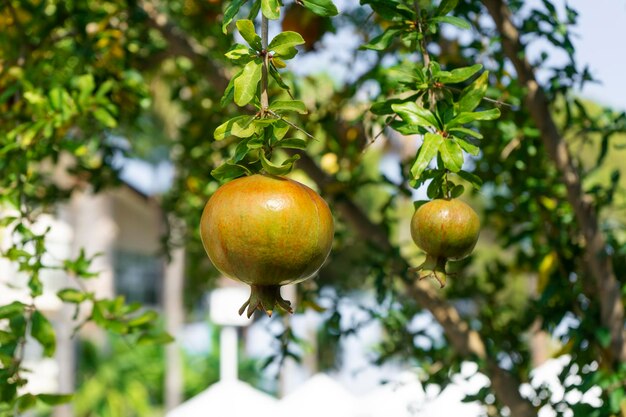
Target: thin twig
379,134
265,103
292,124
422,40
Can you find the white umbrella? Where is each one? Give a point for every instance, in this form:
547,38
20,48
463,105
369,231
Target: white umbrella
231,398
401,398
319,396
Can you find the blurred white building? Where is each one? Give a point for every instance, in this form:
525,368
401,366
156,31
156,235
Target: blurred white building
123,226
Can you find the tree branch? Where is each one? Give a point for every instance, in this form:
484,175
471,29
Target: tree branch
465,341
600,263
265,101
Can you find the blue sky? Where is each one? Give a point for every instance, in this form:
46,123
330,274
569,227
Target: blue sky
602,45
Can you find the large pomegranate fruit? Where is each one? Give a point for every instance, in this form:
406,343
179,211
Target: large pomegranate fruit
445,230
266,231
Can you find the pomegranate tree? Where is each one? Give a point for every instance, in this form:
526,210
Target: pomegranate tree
445,230
266,231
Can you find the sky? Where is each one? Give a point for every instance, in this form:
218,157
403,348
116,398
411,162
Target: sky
601,44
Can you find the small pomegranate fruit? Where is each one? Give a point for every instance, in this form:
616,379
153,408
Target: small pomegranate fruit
266,231
444,229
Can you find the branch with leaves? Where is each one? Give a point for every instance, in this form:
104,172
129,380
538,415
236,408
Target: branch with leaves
264,132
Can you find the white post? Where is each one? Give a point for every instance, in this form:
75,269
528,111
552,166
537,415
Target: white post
228,353
173,282
223,311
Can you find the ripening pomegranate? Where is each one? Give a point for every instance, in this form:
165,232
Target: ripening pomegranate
266,231
444,229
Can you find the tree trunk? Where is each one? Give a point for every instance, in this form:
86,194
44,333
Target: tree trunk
600,263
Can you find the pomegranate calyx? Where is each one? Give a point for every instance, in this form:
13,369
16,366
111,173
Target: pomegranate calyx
265,298
433,267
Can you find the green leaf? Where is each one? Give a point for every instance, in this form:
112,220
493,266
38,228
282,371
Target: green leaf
247,31
104,117
281,169
26,401
255,143
389,10
229,92
413,114
280,129
457,191
292,143
452,155
321,7
240,151
35,285
80,266
161,338
288,105
58,98
71,295
43,332
468,145
616,399
270,9
453,20
283,45
239,53
435,188
279,80
240,126
445,7
385,107
104,89
54,399
419,203
458,75
464,118
426,153
229,171
382,41
232,8
6,338
144,318
246,83
473,93
86,85
467,131
254,9
9,92
471,178
11,310
406,129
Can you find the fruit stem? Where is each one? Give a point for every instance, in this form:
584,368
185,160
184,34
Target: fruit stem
265,298
265,102
433,267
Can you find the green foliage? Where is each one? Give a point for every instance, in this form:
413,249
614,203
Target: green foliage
124,379
262,133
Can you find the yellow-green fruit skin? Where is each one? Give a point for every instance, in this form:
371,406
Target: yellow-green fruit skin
445,228
267,230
